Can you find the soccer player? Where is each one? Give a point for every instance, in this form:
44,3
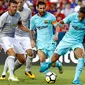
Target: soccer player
24,38
8,22
72,40
45,40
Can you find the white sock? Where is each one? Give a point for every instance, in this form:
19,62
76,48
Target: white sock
28,63
11,65
17,65
5,67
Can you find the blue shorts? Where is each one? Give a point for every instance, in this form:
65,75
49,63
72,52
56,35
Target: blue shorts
48,49
63,47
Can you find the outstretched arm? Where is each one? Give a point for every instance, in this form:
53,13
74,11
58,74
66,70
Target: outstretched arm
22,27
32,36
57,26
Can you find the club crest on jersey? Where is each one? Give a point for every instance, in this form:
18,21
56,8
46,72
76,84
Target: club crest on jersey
47,21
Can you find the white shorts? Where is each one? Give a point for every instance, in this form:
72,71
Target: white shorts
9,42
24,41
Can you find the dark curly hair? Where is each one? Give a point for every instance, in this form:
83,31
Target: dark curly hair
41,3
82,9
12,1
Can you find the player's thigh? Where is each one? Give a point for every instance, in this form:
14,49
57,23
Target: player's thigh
41,55
25,42
62,48
17,47
79,50
7,45
26,45
51,49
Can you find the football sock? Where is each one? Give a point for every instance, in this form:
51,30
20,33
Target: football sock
5,67
79,68
28,63
11,65
44,63
17,65
58,63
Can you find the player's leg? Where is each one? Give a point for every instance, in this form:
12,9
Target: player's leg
11,58
61,49
8,48
57,63
20,56
29,63
42,56
19,62
3,76
19,52
79,53
26,44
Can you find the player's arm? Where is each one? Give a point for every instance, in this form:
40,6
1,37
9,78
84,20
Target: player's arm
66,20
57,26
32,37
22,27
3,18
32,34
57,30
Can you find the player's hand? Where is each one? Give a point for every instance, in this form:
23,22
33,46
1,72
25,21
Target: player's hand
55,37
63,26
33,43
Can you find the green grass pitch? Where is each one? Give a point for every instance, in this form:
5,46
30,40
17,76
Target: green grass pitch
62,79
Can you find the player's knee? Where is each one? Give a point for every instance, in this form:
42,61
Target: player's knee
79,53
11,52
22,60
29,52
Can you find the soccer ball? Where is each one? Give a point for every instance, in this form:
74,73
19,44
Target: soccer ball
50,77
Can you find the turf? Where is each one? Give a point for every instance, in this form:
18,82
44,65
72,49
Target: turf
62,79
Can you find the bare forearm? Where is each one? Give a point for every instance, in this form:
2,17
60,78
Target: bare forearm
60,24
32,35
24,28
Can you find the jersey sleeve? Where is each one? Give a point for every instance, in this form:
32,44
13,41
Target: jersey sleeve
53,18
30,15
2,20
32,23
69,18
19,19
